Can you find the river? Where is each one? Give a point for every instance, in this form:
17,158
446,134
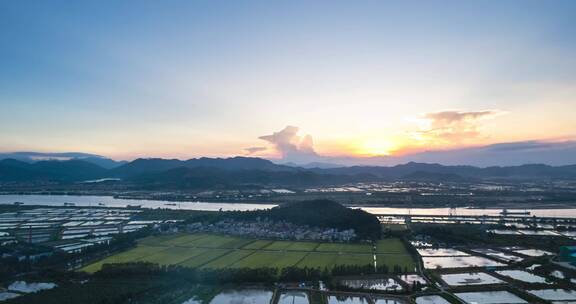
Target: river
109,201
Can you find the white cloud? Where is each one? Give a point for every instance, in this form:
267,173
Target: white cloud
292,146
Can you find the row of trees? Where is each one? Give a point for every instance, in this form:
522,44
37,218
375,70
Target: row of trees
240,275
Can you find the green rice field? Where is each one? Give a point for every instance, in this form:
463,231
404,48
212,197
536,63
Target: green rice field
218,251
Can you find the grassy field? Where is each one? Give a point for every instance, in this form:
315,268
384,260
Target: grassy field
217,251
391,245
328,259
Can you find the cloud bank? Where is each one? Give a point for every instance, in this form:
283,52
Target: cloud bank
501,154
453,126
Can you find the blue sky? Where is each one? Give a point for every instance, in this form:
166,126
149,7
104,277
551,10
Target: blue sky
190,78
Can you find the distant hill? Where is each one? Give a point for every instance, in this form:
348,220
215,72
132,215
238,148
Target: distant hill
529,171
156,165
206,177
32,157
63,171
435,177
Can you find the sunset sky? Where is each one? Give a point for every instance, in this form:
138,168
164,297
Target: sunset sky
182,79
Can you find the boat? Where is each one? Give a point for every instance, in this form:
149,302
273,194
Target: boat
18,203
170,204
69,204
506,212
101,204
134,206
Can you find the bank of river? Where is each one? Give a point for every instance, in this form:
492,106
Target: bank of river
109,201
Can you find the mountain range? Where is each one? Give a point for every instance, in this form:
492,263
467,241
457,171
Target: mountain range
32,157
237,171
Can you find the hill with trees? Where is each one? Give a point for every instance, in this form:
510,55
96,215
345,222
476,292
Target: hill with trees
317,213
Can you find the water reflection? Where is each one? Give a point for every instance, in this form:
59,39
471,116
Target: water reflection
293,297
108,201
431,300
373,284
555,294
86,201
458,262
523,276
467,279
244,296
346,300
387,301
489,297
468,211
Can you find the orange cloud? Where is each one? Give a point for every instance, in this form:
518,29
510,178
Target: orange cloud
453,127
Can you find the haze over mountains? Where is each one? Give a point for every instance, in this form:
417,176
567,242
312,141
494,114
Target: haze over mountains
502,154
556,162
31,157
558,153
210,172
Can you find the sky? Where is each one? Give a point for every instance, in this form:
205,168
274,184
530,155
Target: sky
289,80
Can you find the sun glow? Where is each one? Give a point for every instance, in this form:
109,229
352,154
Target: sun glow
376,148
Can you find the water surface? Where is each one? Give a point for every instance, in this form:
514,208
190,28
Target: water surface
555,294
489,297
468,279
293,297
109,201
431,300
346,300
243,296
458,262
373,284
440,252
523,276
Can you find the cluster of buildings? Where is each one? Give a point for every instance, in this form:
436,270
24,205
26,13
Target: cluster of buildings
274,229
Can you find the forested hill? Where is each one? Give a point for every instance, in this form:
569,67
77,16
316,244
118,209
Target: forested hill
326,213
319,213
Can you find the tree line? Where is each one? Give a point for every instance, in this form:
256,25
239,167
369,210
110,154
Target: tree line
242,275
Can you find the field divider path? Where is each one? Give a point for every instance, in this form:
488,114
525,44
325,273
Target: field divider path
206,262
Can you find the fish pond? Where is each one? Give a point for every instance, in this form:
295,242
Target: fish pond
533,252
347,300
458,262
410,279
440,252
387,301
468,279
489,297
498,255
244,296
521,275
373,284
431,300
293,297
560,295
